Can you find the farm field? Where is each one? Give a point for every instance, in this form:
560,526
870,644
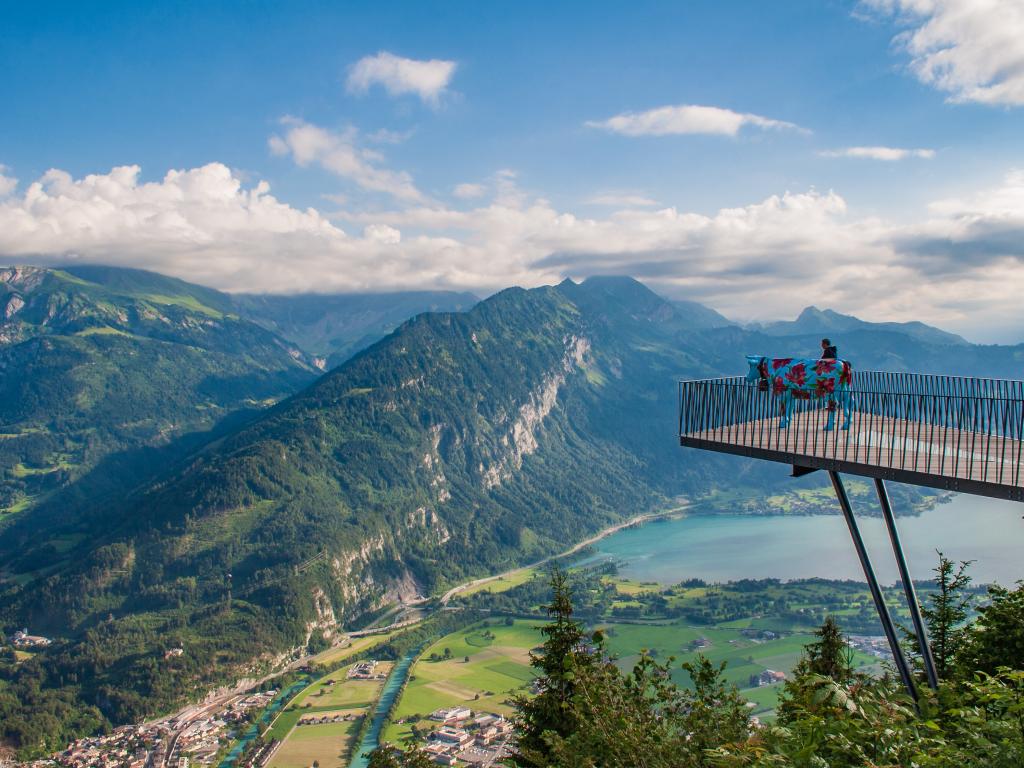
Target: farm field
327,743
502,583
340,652
332,696
498,668
334,691
744,656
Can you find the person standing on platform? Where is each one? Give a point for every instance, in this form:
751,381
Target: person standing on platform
828,350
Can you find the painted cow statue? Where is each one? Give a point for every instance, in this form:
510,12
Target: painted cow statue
792,378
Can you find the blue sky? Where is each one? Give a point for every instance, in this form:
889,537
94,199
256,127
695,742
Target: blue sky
321,146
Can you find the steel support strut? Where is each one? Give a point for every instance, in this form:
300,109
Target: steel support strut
876,591
908,585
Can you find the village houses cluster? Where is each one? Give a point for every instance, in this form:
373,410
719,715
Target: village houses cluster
464,737
190,737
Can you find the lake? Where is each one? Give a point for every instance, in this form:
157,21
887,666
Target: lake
727,547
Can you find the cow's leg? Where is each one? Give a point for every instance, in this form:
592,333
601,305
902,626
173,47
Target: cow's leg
847,399
830,422
785,405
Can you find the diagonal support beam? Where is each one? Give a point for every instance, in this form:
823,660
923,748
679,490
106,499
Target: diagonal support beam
876,590
908,585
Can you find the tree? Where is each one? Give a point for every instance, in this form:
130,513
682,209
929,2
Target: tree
389,756
829,655
946,613
996,639
562,653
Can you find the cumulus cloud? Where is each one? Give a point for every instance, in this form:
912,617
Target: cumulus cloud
960,266
426,79
972,50
963,235
7,183
889,154
338,153
687,118
468,191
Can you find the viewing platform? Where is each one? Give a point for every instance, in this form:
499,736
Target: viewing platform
955,433
951,432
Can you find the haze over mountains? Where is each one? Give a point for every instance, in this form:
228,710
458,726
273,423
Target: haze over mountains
460,443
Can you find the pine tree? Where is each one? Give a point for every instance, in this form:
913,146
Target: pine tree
946,613
563,649
829,655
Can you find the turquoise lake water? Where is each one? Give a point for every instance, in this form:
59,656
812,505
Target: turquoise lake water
728,547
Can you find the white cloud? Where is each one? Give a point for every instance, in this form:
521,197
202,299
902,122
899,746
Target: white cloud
622,200
687,118
398,76
338,153
889,154
468,191
972,50
960,266
7,183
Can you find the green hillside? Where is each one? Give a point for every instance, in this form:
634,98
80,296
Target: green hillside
99,361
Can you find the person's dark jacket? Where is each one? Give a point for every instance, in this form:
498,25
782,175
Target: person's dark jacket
829,353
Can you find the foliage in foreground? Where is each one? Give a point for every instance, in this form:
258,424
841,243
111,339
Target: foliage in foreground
589,713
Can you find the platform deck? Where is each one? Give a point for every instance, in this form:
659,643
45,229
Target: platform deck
933,448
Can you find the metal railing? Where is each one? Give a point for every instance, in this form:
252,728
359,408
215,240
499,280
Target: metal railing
943,426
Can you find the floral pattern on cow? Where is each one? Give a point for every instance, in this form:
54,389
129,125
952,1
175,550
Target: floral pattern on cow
792,379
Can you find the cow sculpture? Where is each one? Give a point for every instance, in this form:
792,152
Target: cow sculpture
794,378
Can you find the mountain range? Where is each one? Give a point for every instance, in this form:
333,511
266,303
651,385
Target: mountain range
99,362
460,443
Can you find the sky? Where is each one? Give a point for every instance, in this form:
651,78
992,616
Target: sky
866,156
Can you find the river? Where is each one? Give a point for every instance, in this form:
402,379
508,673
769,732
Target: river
392,686
727,547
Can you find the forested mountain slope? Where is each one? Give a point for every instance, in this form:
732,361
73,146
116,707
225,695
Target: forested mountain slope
96,360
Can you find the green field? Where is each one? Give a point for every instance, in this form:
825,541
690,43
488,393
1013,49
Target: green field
341,652
743,656
498,668
342,693
502,583
327,743
331,695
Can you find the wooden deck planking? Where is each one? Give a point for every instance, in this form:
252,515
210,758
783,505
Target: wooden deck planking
882,442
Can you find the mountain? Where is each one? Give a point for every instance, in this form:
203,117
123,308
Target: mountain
457,445
700,316
460,443
96,361
333,327
816,322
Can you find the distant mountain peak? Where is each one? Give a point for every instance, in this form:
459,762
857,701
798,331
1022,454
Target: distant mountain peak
815,321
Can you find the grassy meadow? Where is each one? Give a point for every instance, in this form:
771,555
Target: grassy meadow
498,668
